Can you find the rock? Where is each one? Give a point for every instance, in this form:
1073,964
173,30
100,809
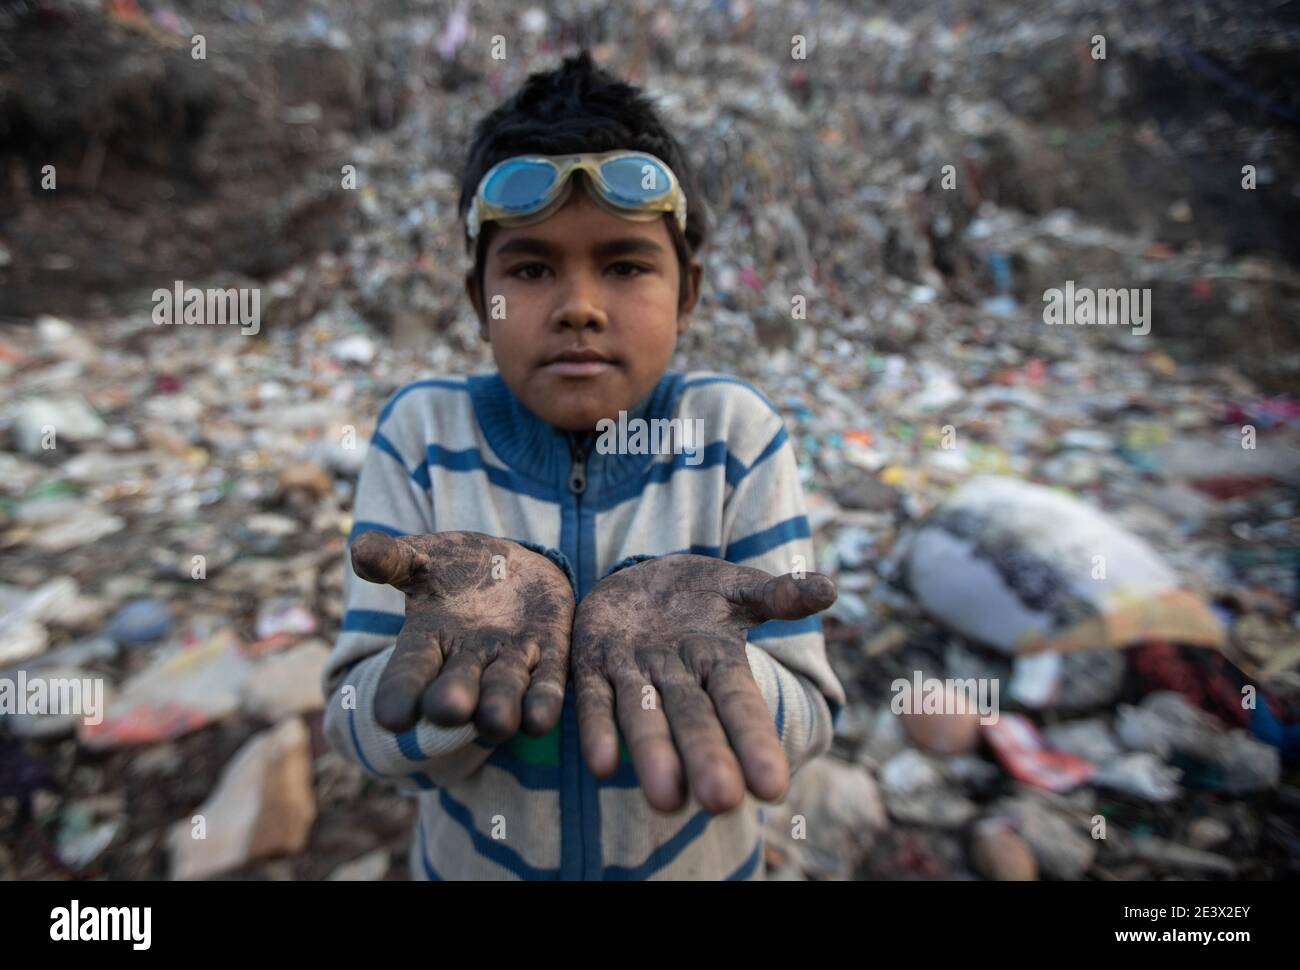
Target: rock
1091,739
830,819
1160,852
1207,831
1165,723
854,547
21,641
885,738
263,806
1022,567
849,608
78,848
867,492
42,423
999,854
140,621
180,692
1141,775
917,793
61,338
941,733
86,525
307,478
287,683
356,349
371,867
1060,849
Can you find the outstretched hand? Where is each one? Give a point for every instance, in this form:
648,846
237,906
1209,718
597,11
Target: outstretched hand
659,651
486,634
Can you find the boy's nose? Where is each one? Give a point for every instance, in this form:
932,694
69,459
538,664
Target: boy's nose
579,310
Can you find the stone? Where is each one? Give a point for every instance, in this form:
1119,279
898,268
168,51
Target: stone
1060,849
841,814
999,854
287,683
371,867
263,806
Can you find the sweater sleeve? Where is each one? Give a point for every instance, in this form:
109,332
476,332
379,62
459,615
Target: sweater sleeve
388,499
765,526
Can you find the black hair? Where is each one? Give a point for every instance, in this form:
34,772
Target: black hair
575,108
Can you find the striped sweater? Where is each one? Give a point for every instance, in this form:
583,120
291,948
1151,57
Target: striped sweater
465,454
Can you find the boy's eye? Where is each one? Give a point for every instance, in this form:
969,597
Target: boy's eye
529,271
627,269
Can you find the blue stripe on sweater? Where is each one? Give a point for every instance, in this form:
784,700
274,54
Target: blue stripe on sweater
490,848
429,872
362,526
356,743
663,855
774,629
757,543
372,621
470,460
409,745
455,385
746,868
721,379
388,448
780,709
739,471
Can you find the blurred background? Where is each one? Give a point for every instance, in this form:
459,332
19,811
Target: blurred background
183,542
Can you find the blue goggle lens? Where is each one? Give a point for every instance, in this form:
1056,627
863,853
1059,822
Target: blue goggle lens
518,186
635,180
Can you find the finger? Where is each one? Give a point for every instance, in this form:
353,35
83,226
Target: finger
784,597
650,742
544,701
597,733
502,693
452,698
711,767
379,558
415,661
748,723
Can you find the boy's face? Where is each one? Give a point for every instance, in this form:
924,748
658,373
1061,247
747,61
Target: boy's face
582,279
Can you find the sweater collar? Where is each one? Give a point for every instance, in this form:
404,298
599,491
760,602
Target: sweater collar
538,450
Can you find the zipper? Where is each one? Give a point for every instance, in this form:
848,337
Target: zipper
578,485
578,472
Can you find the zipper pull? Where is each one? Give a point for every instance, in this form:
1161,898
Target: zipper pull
578,473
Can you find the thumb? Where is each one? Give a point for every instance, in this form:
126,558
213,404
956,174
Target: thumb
785,598
379,558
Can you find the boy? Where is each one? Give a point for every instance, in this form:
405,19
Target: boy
596,671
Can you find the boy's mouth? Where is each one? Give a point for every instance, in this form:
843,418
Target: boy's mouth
579,362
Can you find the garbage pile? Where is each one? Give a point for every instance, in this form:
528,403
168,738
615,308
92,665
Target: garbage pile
175,501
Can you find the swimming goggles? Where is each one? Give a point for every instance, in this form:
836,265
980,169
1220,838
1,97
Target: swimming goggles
528,188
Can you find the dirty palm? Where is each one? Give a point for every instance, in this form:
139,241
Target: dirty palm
657,652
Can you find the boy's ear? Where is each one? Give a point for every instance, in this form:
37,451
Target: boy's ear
476,300
694,274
